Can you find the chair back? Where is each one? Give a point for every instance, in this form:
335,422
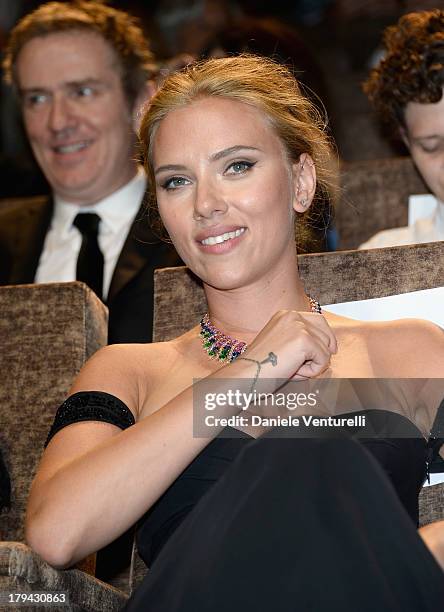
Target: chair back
341,276
373,197
47,332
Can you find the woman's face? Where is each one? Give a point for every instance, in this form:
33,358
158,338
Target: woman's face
424,136
226,190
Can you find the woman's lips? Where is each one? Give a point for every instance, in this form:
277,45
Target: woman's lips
220,238
222,241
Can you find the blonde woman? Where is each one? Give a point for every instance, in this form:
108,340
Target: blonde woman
240,519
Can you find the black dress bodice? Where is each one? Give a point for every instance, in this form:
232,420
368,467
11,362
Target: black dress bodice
403,459
185,492
394,442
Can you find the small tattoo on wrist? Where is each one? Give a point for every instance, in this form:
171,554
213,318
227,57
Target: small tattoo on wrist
271,358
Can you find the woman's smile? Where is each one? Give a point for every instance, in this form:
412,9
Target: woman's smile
220,239
225,185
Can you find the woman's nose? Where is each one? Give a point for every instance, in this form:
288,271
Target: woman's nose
209,201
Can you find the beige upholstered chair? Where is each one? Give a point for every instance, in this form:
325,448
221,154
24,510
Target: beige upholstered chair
179,303
373,197
46,334
340,276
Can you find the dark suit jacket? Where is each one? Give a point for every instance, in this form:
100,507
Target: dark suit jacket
23,227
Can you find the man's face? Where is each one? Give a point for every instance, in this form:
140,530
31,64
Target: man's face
424,136
76,115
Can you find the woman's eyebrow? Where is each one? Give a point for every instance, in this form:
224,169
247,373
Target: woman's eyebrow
212,158
169,168
230,150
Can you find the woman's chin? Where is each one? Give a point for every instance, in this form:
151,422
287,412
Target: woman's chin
224,281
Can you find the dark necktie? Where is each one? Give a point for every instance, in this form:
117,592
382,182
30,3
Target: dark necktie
90,259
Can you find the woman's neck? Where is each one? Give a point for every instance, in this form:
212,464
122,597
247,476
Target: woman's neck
242,313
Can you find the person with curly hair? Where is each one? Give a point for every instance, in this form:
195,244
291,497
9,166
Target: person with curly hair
406,91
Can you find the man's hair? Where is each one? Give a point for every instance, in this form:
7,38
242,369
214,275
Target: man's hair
119,29
266,85
412,69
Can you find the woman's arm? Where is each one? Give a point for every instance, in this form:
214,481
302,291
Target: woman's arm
427,345
429,340
95,481
433,537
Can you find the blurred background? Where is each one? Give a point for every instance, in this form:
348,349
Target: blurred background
330,45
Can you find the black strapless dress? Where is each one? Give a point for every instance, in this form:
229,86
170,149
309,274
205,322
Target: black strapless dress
291,524
308,524
404,461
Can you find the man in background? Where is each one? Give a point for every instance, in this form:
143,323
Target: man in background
81,71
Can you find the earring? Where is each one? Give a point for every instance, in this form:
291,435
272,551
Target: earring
304,203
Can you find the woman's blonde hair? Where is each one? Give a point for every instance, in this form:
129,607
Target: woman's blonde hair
264,84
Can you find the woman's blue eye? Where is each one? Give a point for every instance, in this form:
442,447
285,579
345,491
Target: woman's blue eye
240,167
174,182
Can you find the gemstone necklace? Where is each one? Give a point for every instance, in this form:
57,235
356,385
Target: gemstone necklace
224,348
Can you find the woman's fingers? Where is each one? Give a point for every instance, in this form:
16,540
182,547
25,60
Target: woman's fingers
319,327
317,353
303,343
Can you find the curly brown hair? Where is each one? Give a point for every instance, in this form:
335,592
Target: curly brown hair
412,69
120,30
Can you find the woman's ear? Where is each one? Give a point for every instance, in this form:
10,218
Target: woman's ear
304,183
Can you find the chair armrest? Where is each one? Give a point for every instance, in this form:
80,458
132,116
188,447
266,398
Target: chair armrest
22,570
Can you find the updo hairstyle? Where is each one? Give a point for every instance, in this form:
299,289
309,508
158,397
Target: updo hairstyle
269,87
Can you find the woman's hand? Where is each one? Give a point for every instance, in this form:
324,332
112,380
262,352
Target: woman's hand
302,341
433,537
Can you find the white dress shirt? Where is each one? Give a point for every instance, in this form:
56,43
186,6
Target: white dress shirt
58,260
429,229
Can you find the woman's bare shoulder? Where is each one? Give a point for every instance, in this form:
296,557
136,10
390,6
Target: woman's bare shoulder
402,347
413,347
125,370
424,342
412,331
416,329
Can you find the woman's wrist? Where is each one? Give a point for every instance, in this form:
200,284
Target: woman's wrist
254,373
228,391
